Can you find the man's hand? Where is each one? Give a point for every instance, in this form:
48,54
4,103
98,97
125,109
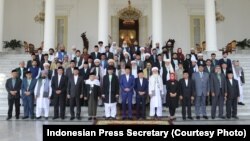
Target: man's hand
181,97
27,93
85,98
208,94
213,94
103,96
127,89
68,96
192,98
117,96
81,96
58,91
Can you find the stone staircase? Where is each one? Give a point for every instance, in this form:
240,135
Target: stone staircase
11,61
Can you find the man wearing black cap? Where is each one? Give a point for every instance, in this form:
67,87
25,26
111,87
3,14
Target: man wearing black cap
110,93
202,89
70,70
101,47
232,96
75,93
96,54
59,90
127,90
109,55
84,72
186,89
141,89
13,87
28,87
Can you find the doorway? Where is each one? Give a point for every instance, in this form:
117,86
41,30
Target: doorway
128,31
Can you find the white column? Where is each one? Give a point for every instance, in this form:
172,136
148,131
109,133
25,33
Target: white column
211,35
103,21
49,25
157,22
1,24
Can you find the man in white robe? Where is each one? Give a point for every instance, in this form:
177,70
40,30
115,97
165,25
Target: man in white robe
155,92
43,93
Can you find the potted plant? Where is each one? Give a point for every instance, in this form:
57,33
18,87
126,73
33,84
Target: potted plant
13,44
243,44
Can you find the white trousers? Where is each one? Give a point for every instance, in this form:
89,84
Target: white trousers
158,111
42,104
110,110
241,93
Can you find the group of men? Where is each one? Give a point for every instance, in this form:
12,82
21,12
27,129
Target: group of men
128,75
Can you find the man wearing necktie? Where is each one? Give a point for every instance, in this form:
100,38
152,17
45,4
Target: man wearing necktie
202,88
28,87
13,87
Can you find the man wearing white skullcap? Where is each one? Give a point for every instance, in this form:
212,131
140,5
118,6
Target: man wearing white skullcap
155,93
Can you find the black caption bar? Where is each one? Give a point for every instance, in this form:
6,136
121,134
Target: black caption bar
209,132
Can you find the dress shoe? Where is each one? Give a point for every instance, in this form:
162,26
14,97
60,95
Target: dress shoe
46,118
55,118
213,117
113,118
235,117
38,117
198,117
205,117
90,118
94,118
184,118
190,118
228,117
123,118
32,117
240,103
107,118
130,118
222,117
72,118
62,118
79,118
8,118
17,117
25,117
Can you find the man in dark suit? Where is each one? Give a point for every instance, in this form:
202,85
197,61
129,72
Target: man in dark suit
186,89
13,87
141,89
29,63
70,70
214,61
232,96
153,57
78,59
75,93
21,70
226,60
110,93
45,60
108,54
84,72
96,54
210,70
135,49
224,69
59,90
39,56
127,91
28,88
218,90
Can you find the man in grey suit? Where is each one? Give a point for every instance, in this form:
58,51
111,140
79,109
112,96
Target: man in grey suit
202,88
218,90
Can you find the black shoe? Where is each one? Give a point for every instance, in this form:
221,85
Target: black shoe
240,103
107,118
39,117
25,117
123,118
235,117
222,117
113,118
90,118
184,118
79,118
17,117
190,118
205,117
72,118
198,117
130,118
32,117
228,117
46,118
8,118
55,118
213,117
62,118
94,118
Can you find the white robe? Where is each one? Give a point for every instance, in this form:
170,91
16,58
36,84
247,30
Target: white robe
155,93
238,77
42,102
